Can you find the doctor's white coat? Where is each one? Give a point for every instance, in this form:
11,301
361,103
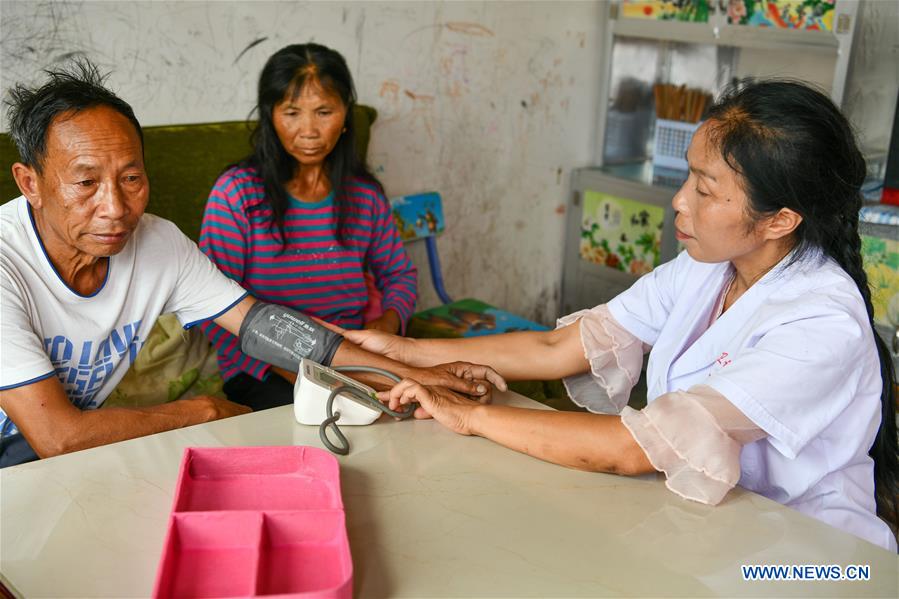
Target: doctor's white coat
796,354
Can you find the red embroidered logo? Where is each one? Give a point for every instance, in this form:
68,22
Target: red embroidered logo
722,360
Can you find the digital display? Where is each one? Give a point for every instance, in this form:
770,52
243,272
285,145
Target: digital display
327,379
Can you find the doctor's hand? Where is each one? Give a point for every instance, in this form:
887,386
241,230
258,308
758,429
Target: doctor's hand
475,380
378,342
375,338
446,407
389,322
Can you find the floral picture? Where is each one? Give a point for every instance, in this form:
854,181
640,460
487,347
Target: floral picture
667,10
813,15
622,234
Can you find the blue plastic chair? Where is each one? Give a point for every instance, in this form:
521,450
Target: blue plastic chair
420,217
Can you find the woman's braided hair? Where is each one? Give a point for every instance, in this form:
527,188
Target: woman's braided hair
794,149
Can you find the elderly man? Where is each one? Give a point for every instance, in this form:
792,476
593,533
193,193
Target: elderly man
85,274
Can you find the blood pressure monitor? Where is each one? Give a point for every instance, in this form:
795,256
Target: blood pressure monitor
313,387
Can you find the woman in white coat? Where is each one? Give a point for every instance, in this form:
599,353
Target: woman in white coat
764,368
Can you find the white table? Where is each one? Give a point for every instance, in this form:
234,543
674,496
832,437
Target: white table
429,513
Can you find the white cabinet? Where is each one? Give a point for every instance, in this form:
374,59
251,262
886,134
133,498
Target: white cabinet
619,226
710,55
608,240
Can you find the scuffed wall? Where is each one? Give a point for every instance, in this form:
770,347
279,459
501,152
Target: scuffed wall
490,103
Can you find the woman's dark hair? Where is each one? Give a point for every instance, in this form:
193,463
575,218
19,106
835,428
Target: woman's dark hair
283,76
72,88
794,149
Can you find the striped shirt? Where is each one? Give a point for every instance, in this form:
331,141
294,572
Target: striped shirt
313,272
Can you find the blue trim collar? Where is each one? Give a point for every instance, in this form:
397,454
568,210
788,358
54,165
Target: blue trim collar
50,262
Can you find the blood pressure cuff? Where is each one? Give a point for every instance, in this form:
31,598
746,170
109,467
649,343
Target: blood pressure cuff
282,336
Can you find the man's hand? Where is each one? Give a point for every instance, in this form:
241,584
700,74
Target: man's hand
52,425
449,409
477,373
472,379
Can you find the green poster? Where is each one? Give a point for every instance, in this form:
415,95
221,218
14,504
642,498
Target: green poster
619,233
881,257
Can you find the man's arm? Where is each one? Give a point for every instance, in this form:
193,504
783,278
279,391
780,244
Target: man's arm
53,426
348,353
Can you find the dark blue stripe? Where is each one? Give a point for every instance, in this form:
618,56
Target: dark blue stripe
213,226
214,316
275,253
256,275
53,268
302,238
28,382
332,290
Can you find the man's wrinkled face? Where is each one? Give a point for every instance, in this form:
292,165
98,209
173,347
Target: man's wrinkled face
93,188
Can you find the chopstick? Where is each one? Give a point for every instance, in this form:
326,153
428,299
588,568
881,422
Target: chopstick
679,103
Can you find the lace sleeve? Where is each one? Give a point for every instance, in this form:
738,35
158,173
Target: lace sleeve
615,357
695,438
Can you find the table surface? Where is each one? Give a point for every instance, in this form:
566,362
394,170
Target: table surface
429,513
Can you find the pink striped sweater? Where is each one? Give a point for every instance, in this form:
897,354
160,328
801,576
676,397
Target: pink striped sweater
314,272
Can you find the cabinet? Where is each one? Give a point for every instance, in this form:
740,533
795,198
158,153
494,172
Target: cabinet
619,226
620,222
637,53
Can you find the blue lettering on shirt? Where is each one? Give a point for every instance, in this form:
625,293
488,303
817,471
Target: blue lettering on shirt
83,377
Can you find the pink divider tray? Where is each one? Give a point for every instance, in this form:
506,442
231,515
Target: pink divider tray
256,521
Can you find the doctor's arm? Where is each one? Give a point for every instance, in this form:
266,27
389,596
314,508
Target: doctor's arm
584,441
52,425
695,437
526,355
460,376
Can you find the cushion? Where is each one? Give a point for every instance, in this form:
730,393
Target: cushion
172,364
467,318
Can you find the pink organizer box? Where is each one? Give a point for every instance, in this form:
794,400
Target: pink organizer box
256,521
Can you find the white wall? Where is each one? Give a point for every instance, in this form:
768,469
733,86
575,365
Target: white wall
490,103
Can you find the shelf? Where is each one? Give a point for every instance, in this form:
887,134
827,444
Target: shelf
645,173
674,31
738,36
767,38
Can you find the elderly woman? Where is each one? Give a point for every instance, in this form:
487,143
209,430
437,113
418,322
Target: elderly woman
764,370
301,220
